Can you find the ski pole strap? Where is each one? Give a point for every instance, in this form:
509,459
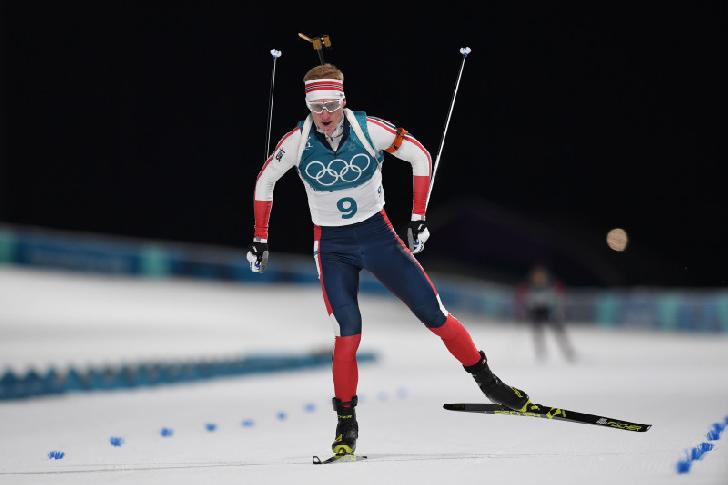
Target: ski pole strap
398,139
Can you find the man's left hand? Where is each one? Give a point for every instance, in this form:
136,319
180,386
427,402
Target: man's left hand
417,235
257,256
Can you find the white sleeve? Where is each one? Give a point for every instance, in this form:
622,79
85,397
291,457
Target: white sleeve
411,150
280,161
383,134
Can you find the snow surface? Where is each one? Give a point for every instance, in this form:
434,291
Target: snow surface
677,382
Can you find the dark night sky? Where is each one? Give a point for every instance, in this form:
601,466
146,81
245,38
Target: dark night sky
149,121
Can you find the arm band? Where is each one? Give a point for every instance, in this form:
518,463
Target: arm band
398,139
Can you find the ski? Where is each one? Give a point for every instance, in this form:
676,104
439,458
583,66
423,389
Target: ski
341,458
542,411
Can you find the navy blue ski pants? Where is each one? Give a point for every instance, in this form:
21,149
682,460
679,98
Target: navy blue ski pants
341,252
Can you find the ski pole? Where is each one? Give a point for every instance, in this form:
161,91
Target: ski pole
276,54
464,51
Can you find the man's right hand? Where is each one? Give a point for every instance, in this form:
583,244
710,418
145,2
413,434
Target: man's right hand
258,256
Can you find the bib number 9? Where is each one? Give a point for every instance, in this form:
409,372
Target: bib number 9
347,207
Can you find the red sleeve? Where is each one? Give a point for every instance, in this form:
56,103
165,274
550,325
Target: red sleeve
262,210
420,187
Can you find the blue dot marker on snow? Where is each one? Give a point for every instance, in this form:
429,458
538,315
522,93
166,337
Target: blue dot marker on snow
166,432
310,407
402,393
210,427
715,431
696,453
248,423
116,441
56,455
693,454
706,447
282,416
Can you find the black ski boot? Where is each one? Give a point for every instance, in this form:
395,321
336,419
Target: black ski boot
347,429
494,389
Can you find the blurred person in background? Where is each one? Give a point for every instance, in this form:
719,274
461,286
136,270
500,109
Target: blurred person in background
338,154
541,303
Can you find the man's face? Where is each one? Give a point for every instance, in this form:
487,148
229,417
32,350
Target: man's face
539,277
326,121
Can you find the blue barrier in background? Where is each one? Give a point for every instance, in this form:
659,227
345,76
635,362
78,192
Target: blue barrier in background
651,309
127,376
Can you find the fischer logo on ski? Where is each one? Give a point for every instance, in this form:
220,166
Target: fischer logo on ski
547,412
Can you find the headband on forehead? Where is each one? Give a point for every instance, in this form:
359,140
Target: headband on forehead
317,89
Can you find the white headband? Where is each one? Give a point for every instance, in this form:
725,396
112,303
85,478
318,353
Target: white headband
317,89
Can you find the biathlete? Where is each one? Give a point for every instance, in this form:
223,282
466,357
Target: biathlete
338,154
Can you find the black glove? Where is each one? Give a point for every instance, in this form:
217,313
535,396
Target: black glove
417,235
257,256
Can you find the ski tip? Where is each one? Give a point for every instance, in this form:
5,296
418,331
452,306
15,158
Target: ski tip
341,458
463,407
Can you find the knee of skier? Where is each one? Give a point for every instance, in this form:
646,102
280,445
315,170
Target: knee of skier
348,318
430,315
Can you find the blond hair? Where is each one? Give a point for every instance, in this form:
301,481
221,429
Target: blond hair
324,71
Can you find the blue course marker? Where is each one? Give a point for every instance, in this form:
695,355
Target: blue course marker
166,432
310,407
715,431
210,427
248,423
56,455
116,441
683,466
706,447
281,416
695,453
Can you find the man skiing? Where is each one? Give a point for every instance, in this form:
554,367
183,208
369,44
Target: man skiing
338,155
541,302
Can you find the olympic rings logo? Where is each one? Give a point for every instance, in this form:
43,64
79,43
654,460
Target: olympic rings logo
338,170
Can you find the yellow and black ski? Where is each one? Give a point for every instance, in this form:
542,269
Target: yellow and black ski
548,412
339,458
